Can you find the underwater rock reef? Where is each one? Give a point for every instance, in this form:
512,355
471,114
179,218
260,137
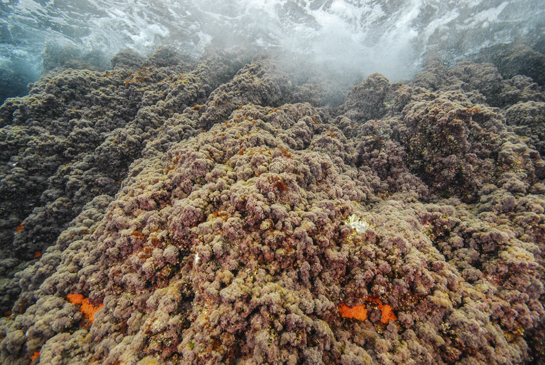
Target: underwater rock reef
225,211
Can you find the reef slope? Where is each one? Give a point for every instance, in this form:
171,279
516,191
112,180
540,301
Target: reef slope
222,212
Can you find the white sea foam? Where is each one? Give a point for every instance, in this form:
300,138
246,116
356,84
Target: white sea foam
356,35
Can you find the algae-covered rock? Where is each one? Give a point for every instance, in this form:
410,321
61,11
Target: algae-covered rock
221,211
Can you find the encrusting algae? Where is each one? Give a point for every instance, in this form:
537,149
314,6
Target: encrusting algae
359,311
86,308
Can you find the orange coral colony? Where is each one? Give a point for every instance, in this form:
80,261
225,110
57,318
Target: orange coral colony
35,356
387,314
359,312
75,298
86,308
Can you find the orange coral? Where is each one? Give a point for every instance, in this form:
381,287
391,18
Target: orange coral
75,298
38,254
387,314
387,311
35,356
359,312
86,308
20,228
89,310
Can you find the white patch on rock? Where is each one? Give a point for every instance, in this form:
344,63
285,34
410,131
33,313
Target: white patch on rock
354,222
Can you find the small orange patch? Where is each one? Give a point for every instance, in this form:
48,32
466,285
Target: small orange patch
75,298
7,313
285,152
358,312
387,311
38,254
20,228
86,308
279,184
35,356
89,310
387,314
